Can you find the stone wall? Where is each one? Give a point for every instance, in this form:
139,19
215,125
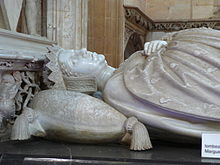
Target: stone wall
106,29
68,24
106,21
141,4
183,9
2,23
205,9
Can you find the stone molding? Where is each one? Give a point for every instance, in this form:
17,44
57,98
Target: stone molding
33,46
135,16
187,24
22,60
20,65
138,18
21,52
67,23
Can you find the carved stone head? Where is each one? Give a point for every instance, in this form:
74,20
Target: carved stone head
81,63
80,69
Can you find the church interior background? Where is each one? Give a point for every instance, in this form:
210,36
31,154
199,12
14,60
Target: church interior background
115,28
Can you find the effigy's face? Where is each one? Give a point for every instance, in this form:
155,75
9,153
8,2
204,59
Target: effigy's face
81,62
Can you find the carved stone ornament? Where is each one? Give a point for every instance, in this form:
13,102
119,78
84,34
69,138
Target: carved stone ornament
157,86
181,25
16,90
76,117
56,75
22,59
81,84
137,17
9,85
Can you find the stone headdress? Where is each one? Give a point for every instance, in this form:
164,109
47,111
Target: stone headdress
56,74
61,74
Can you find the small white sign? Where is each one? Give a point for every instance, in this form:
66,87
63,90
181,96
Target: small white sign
210,145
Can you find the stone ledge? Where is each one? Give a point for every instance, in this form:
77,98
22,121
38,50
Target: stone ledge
137,17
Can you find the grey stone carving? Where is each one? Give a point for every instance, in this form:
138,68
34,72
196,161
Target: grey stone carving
76,117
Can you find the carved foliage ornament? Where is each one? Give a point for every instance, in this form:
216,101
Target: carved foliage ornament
176,26
137,17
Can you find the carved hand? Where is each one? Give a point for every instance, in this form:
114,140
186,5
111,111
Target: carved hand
153,46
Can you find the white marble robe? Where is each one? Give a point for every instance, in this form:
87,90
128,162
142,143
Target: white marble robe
175,89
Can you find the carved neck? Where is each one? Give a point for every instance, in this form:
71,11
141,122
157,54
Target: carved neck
104,76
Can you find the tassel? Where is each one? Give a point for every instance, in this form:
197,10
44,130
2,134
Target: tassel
20,129
140,139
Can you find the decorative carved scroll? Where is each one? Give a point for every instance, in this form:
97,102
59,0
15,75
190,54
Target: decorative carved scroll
22,60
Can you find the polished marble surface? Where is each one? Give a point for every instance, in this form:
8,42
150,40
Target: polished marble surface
43,152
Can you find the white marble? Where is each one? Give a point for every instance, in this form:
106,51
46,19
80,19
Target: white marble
168,89
11,10
78,64
15,45
76,117
154,46
67,23
9,86
172,85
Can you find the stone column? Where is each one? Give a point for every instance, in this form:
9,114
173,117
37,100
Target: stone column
106,29
67,23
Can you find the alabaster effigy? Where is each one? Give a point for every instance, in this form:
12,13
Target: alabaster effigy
75,117
172,86
174,89
63,113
